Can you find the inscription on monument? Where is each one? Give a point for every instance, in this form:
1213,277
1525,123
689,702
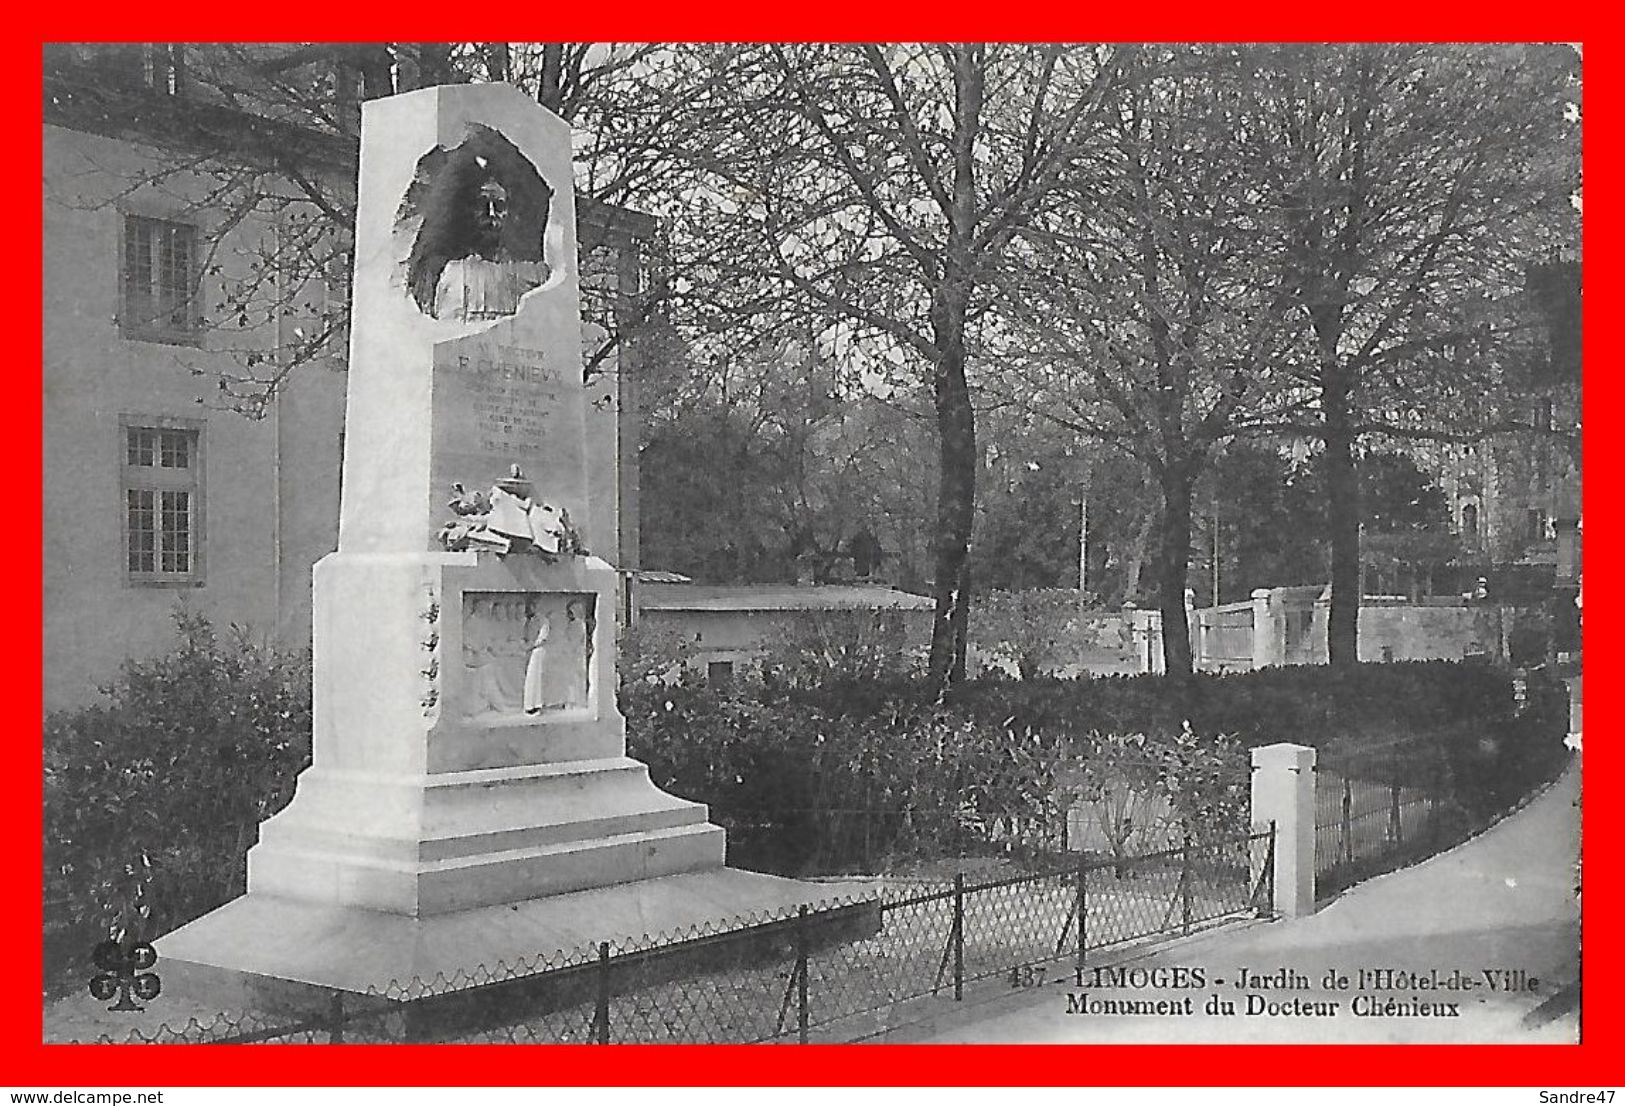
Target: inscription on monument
512,391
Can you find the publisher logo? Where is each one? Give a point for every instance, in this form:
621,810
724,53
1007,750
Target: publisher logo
124,974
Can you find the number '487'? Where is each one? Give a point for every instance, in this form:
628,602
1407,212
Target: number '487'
1026,976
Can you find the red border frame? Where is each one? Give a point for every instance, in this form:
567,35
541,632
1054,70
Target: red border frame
1157,1065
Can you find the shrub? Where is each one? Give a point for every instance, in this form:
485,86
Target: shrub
153,796
649,654
821,651
806,789
814,775
1142,794
1028,632
1311,705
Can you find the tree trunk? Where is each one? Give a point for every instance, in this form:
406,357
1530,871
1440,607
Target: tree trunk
1136,556
956,502
497,57
434,64
375,64
1342,505
550,86
956,421
1174,568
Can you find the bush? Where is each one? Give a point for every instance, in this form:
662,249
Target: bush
1029,632
153,796
1310,705
803,789
829,775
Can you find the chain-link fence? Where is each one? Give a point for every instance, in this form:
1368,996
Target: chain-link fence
844,970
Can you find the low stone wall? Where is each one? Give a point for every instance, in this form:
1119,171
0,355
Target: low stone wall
1424,633
1288,626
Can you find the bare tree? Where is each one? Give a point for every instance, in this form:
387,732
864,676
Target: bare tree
877,186
1140,313
1405,188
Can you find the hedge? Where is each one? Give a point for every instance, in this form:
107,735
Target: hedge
826,776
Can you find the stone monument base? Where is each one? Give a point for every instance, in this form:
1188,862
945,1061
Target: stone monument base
272,954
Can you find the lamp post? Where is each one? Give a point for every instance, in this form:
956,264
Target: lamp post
1083,530
1083,544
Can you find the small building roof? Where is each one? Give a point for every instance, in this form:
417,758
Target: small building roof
777,597
659,576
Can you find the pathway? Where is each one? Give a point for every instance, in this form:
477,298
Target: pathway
1496,906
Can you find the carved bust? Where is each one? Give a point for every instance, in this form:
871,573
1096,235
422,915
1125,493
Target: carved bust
481,212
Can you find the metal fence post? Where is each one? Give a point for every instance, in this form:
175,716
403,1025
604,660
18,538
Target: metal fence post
1185,885
600,1017
1083,912
801,973
1271,900
1348,820
1269,874
959,936
335,1019
1396,835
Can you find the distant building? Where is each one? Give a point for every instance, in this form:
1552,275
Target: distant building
1515,498
723,629
155,491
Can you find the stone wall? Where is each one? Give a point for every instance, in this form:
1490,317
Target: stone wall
1424,633
1288,627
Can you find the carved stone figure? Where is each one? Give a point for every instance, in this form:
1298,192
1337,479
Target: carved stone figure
495,656
478,659
536,666
576,655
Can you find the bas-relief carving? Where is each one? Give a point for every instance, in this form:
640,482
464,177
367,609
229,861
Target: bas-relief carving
526,654
477,215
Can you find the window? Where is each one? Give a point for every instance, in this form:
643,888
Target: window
163,501
719,675
159,280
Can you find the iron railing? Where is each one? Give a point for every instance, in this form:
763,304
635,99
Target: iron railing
1376,808
845,970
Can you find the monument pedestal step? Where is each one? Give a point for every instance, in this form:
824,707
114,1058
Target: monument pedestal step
271,954
442,842
465,882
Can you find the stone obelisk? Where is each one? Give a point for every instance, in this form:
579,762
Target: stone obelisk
470,799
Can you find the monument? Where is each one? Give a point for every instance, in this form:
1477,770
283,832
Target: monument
469,800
